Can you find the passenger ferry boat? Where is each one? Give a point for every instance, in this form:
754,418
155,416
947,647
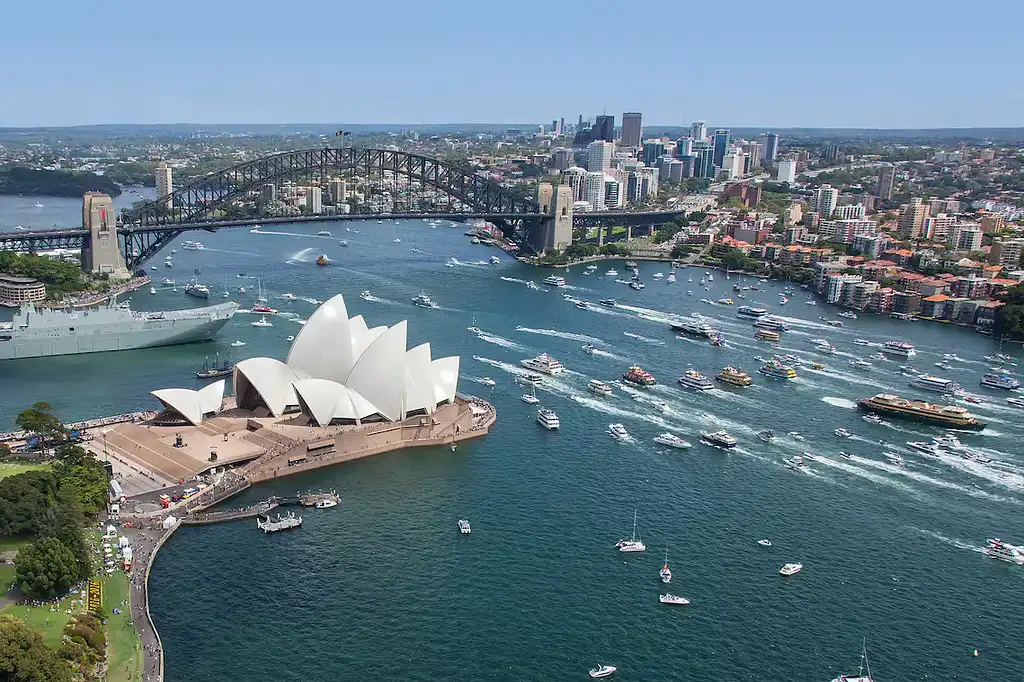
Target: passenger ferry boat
767,335
917,410
671,440
694,327
1004,381
718,439
777,370
543,363
637,375
934,383
599,387
548,419
901,348
693,379
773,323
423,301
554,280
997,549
747,311
189,245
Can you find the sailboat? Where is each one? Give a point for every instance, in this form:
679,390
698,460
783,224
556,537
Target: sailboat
863,671
665,572
531,397
634,544
218,369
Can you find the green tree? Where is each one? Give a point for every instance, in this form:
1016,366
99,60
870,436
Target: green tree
1009,321
46,568
82,474
25,502
25,658
40,422
66,523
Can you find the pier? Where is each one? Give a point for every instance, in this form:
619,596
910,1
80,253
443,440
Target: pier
259,509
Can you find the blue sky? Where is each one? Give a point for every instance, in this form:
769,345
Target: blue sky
746,62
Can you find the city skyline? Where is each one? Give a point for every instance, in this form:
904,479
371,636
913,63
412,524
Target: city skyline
216,71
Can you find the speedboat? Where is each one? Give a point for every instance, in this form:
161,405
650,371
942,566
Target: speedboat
848,314
767,435
997,549
495,260
323,233
636,284
673,599
1016,402
487,381
167,282
589,348
634,544
894,457
861,342
262,322
860,364
582,305
451,263
548,419
152,290
796,463
872,419
288,296
795,435
834,323
366,295
842,433
599,387
237,344
609,302
844,455
672,441
790,569
718,439
765,543
464,527
423,301
618,432
603,671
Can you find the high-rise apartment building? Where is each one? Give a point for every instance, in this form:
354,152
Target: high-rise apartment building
164,184
604,129
1006,252
886,180
787,171
614,197
576,178
314,200
268,192
769,147
721,143
632,131
698,130
912,218
937,228
966,237
561,158
824,200
849,212
753,151
338,190
595,191
599,155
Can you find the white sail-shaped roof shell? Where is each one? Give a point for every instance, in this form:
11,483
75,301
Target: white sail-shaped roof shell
323,347
328,400
379,373
446,378
191,404
419,380
271,379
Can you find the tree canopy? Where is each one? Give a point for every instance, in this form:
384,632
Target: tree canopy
25,502
82,474
40,421
25,658
1009,320
46,568
54,183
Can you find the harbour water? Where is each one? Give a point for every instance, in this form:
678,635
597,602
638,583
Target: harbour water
384,586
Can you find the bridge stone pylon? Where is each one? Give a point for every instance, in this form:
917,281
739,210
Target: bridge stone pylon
555,231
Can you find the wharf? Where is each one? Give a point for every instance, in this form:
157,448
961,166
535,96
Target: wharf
260,509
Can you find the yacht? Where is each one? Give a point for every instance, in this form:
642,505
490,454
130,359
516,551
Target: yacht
612,272
673,599
672,441
599,387
1004,381
901,348
773,323
872,419
848,314
327,503
796,463
823,346
548,419
554,280
464,527
423,301
196,289
589,348
747,311
366,295
765,542
262,322
634,544
487,381
790,569
767,435
637,375
860,364
718,439
862,342
543,363
189,245
608,302
997,549
693,379
933,383
842,433
530,378
618,432
603,671
665,573
531,397
694,327
863,671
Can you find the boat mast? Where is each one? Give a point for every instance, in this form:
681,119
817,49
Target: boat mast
634,525
864,656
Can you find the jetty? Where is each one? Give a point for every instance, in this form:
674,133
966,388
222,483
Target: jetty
259,509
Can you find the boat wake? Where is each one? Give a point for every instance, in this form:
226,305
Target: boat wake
571,336
500,341
609,354
937,482
307,255
645,339
952,542
289,234
839,402
873,477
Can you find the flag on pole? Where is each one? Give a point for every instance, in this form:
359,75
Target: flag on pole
342,133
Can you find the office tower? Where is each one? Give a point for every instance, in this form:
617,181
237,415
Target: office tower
599,155
732,164
631,129
580,123
721,146
614,197
886,180
675,171
314,200
575,177
555,128
689,165
164,184
769,147
824,200
912,219
699,130
561,125
561,158
705,165
604,129
787,171
595,190
653,150
684,147
754,161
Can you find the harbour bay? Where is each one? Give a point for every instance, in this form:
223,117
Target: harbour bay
384,586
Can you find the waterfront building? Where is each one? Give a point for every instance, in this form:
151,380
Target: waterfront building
721,146
599,155
823,271
603,129
837,284
164,184
314,200
886,181
824,200
912,217
17,290
698,130
632,129
787,171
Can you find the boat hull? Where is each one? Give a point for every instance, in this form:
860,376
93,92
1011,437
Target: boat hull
873,408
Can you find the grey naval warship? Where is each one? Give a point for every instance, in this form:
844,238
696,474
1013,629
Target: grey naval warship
45,332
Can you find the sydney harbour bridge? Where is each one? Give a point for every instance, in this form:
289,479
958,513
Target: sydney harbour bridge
351,183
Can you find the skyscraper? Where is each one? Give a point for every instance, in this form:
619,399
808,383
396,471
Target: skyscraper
604,129
824,200
769,147
912,218
886,180
698,130
631,129
164,183
653,150
721,145
599,155
576,178
787,171
595,190
684,147
705,166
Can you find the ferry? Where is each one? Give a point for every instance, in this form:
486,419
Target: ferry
637,375
776,370
736,377
693,327
934,383
190,245
554,280
747,311
773,323
464,527
718,439
672,441
920,411
548,419
1004,381
767,335
423,301
848,314
997,549
543,363
599,387
901,348
693,379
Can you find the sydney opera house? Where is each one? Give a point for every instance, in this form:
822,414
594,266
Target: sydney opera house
346,390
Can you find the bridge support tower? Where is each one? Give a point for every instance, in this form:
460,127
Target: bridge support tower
100,251
555,229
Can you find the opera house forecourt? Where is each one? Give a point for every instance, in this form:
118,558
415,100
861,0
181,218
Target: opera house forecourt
346,390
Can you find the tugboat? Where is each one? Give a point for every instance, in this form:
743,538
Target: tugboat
637,375
323,260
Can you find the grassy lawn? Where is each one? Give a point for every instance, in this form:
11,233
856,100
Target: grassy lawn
12,468
50,624
618,230
125,658
6,577
14,542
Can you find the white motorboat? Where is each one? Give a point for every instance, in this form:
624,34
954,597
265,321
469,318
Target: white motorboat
237,344
860,364
790,569
872,419
495,260
554,280
531,397
603,671
618,432
665,573
718,439
152,290
464,527
635,543
589,348
599,387
997,549
848,314
862,342
423,301
693,379
673,599
451,263
288,296
796,463
795,435
366,295
672,441
487,381
262,322
543,363
842,433
612,272
548,419
894,457
765,542
1016,402
327,502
